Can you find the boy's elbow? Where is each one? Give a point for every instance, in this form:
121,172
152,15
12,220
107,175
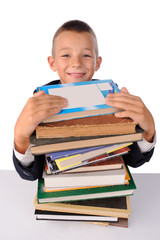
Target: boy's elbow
32,172
135,158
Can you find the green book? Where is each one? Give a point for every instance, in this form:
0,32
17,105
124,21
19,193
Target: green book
85,193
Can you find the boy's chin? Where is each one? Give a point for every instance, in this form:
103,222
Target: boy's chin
73,80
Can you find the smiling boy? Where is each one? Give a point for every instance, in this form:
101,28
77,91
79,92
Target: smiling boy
75,58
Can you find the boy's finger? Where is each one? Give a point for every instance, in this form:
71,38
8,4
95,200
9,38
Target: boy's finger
121,100
123,89
126,114
41,115
37,94
45,97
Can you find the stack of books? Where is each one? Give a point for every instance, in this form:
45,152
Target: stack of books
85,177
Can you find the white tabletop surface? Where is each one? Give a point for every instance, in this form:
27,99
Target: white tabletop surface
17,220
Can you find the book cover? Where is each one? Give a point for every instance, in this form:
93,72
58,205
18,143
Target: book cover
85,193
91,104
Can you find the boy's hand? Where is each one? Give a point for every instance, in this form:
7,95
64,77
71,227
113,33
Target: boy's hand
37,108
135,109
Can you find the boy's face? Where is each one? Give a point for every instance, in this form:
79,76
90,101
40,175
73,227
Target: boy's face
74,57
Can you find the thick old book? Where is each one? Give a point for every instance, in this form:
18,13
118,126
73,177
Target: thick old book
47,145
113,207
88,126
84,98
85,193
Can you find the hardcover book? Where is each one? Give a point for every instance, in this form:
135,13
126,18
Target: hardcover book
91,104
88,126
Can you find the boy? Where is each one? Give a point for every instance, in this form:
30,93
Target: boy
75,58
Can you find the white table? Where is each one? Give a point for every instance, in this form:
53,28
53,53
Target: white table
17,220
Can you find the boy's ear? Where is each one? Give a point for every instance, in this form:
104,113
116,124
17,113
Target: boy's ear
51,62
98,63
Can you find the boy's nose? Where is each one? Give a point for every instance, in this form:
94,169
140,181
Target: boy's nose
76,62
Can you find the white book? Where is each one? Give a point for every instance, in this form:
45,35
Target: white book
72,217
98,178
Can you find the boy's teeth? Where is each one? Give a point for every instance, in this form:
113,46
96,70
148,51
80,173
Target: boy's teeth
76,74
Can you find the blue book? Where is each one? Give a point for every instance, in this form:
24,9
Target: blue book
81,157
84,99
55,155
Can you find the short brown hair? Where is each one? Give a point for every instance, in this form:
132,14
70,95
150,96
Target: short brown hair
77,26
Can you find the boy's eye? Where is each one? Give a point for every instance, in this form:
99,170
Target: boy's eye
86,55
65,55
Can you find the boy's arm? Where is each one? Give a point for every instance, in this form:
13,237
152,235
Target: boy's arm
135,109
146,146
37,108
33,171
140,152
135,158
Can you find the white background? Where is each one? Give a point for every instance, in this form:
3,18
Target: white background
128,33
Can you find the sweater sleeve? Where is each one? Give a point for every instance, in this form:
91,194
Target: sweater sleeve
31,172
135,158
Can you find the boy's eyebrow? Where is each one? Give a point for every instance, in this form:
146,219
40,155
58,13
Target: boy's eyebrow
67,48
89,49
63,49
